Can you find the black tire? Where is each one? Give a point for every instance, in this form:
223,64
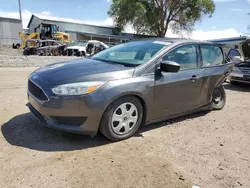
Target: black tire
218,98
26,52
80,54
83,54
234,83
106,125
17,46
33,51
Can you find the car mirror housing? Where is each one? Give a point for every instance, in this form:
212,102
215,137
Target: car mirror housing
169,66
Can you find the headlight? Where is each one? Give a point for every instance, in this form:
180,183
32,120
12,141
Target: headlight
79,88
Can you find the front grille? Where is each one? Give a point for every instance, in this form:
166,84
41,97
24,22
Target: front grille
36,91
75,121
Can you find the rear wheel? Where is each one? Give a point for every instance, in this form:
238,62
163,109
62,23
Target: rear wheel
122,119
219,98
17,46
26,52
33,51
80,54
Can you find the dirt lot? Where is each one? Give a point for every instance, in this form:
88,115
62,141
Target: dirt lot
206,149
13,58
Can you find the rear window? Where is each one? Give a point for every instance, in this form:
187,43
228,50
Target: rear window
211,55
234,53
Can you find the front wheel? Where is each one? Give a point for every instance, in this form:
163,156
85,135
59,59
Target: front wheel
218,98
122,118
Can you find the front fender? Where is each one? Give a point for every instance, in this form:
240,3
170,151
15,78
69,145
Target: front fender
142,87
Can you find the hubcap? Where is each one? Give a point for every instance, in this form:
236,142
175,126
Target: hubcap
124,118
217,97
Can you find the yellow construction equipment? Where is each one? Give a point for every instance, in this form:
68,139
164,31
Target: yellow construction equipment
26,37
47,32
62,37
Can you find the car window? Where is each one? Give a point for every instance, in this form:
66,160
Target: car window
102,47
233,53
185,56
211,55
50,43
132,53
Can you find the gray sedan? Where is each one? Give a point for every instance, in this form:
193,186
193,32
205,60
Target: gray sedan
134,83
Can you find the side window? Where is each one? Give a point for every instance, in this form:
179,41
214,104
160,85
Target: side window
211,55
185,56
50,43
233,53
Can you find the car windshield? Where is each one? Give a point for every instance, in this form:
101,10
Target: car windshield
131,53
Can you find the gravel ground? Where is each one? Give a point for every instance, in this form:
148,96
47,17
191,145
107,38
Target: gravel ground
31,61
209,149
14,58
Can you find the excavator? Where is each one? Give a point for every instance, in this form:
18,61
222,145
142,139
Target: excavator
47,31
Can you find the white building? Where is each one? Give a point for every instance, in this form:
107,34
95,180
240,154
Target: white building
79,30
9,30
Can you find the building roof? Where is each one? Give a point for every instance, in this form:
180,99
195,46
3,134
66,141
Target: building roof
232,39
10,18
66,20
101,35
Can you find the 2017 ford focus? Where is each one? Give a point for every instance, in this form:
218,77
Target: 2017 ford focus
134,83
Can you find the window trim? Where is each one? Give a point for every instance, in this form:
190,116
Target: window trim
201,57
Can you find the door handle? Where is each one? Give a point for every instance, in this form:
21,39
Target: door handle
194,78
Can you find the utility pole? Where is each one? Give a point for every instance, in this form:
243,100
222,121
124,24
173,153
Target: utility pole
20,12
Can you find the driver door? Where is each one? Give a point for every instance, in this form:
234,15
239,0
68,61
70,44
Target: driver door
179,92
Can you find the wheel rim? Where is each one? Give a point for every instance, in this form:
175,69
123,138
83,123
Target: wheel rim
124,118
217,96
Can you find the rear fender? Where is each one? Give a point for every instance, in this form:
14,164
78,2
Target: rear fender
214,77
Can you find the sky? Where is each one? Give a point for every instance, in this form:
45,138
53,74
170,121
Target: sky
230,18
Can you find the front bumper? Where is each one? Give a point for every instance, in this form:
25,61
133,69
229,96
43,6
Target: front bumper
75,115
239,77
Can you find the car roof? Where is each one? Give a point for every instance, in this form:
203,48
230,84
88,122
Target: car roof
176,40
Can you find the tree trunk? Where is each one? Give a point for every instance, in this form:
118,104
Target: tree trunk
163,32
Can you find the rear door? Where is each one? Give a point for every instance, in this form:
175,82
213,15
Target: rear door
215,69
179,92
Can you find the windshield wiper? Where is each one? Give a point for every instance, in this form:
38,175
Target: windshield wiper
117,62
106,61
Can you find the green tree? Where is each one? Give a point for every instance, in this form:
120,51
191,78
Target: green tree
155,16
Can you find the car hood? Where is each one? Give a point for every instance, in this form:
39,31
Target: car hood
80,71
243,66
77,47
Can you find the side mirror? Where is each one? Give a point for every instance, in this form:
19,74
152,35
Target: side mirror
169,66
237,59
